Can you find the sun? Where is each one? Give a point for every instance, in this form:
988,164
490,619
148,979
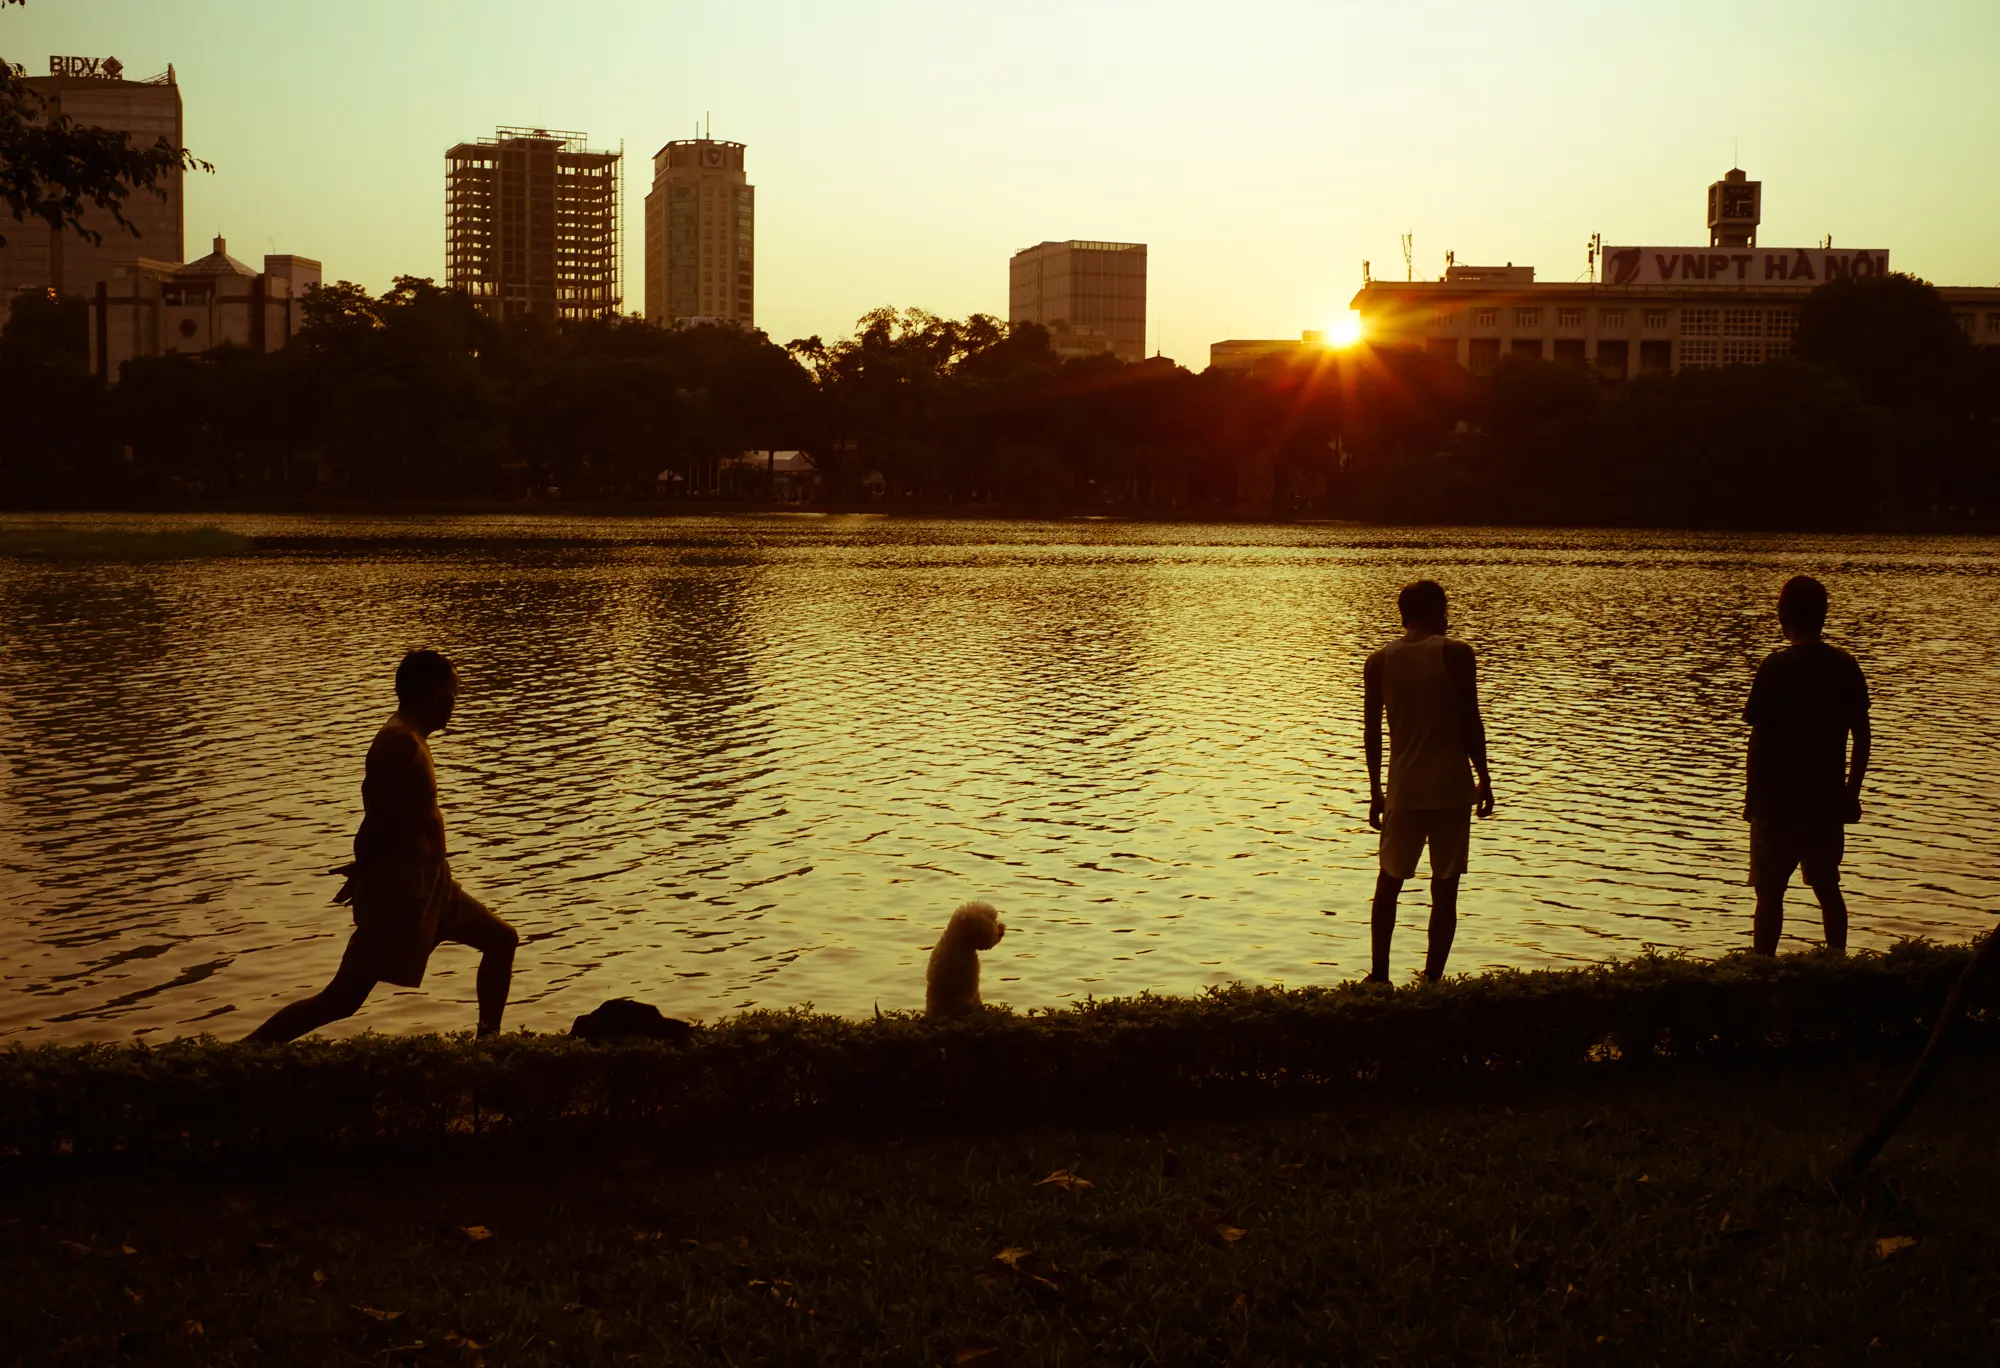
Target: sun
1344,332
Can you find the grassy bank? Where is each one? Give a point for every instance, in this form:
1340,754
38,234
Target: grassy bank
765,1071
1665,1217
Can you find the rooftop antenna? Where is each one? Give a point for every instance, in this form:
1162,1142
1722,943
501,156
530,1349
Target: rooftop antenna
1450,260
1408,241
1594,249
704,125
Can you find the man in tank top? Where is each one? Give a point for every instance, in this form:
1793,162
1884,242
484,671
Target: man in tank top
405,901
1428,685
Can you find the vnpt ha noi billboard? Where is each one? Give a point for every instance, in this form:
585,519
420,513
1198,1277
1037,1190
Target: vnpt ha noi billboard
1737,267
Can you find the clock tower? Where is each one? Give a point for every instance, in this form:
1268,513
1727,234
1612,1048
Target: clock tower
1735,206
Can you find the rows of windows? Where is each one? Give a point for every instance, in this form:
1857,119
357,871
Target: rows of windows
1608,320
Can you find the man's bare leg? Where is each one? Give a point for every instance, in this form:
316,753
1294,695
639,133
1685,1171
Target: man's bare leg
1444,925
339,999
1833,913
1770,919
495,942
1382,924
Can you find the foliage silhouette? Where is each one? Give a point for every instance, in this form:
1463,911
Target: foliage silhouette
414,394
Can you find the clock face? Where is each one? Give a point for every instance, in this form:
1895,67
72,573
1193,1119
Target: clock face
711,156
1739,201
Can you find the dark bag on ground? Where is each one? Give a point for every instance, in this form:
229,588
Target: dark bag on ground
624,1019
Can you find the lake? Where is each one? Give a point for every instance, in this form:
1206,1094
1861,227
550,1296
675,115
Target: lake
719,763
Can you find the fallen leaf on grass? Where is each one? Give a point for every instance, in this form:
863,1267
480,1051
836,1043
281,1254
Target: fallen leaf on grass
192,1330
458,1341
1239,1310
1216,1229
319,1277
1012,1257
1893,1244
778,1290
131,1294
979,1356
383,1316
126,1249
81,1251
476,1233
1065,1180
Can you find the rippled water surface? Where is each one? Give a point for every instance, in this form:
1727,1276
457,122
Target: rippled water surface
718,763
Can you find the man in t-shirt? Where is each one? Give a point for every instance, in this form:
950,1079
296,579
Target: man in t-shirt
1802,788
1428,685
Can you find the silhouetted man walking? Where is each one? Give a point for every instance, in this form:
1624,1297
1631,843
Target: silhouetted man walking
1428,684
405,900
1801,788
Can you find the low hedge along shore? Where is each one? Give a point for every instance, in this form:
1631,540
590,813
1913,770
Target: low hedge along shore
765,1070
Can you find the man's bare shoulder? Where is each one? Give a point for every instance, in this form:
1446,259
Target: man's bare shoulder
397,745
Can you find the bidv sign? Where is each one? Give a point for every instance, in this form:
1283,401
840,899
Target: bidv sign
94,68
1737,266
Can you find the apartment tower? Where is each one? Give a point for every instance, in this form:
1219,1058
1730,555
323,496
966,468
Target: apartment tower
1091,296
701,246
531,225
93,91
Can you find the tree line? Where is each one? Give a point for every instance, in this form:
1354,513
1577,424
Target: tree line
1885,415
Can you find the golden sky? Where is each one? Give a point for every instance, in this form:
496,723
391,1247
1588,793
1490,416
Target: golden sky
903,149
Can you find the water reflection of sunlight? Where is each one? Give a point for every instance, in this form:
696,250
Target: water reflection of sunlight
717,763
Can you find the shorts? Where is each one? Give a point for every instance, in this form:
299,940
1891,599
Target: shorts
1406,831
1780,845
403,912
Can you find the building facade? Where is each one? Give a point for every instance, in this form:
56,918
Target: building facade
93,92
701,236
1653,309
150,308
1091,296
1258,353
531,225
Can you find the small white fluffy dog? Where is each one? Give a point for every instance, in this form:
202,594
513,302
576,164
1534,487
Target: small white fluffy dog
951,983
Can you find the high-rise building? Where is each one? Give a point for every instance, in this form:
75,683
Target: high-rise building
94,92
1091,296
531,225
701,246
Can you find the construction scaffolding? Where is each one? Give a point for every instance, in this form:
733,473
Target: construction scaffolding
532,225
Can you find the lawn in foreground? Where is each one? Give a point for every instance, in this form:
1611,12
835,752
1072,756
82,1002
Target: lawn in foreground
1671,1219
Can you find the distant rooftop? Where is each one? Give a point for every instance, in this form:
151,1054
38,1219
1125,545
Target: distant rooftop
217,263
1082,245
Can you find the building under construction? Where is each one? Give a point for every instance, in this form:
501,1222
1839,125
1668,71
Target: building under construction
532,225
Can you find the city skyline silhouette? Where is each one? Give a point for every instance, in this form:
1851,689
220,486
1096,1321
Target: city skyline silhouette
1262,155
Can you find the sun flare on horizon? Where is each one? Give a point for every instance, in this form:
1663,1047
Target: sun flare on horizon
1344,332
